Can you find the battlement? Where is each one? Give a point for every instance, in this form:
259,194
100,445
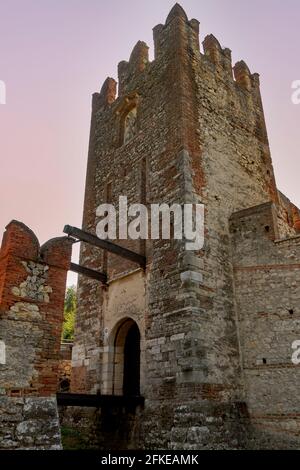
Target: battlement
186,79
177,39
217,55
20,246
168,37
138,61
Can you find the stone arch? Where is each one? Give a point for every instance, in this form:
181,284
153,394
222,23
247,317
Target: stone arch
128,117
124,359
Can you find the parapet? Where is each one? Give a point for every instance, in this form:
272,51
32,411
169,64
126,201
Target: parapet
57,252
108,92
20,249
138,61
242,75
253,231
177,37
19,240
214,52
176,12
254,220
177,32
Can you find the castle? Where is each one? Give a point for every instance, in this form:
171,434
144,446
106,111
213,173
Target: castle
203,337
215,326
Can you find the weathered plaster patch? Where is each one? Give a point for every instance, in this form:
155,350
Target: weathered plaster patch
24,311
2,352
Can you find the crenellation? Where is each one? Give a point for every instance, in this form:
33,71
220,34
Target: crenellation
221,58
212,49
107,94
127,71
157,31
194,39
139,57
242,75
227,62
177,12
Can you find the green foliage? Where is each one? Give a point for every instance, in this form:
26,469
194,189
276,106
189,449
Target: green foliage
69,313
72,439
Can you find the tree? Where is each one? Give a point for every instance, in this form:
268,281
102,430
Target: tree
69,313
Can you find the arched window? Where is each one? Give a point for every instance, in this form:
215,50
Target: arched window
130,125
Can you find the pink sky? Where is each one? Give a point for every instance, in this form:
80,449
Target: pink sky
55,53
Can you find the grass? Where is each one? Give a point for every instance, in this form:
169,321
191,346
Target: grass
72,439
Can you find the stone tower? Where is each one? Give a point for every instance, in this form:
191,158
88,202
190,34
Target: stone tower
208,333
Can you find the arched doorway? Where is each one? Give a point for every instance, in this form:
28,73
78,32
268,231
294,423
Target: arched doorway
132,351
126,359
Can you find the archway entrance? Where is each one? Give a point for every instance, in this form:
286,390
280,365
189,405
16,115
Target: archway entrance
131,378
126,358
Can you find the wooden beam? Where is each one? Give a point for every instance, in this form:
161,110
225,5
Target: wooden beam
76,268
105,245
80,399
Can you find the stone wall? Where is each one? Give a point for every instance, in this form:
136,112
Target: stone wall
29,423
32,289
106,428
267,275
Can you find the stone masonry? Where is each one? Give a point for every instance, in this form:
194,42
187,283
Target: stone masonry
216,325
32,289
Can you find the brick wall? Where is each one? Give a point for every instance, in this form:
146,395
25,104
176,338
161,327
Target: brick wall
32,280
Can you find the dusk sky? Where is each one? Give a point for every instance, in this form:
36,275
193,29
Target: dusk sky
55,53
